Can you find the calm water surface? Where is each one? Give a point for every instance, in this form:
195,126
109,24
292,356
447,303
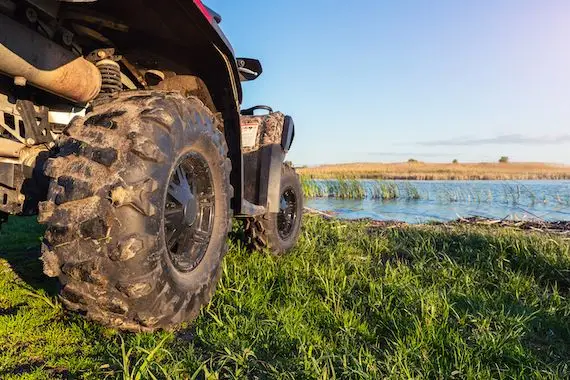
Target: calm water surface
448,200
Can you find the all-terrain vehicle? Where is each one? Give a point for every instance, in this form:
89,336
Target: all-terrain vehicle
121,126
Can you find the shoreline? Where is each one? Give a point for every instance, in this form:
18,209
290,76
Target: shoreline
556,227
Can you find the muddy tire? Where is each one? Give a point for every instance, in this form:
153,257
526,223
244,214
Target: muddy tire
110,208
279,232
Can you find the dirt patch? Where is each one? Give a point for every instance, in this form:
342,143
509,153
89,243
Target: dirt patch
561,227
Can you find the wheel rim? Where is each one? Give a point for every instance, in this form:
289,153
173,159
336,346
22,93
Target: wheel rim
287,215
189,212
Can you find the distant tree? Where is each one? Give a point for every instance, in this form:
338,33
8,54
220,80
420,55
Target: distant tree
290,163
504,159
455,161
412,160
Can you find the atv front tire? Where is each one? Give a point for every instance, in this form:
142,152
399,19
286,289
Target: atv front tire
279,232
138,211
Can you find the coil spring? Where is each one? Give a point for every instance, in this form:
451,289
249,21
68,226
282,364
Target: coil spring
110,77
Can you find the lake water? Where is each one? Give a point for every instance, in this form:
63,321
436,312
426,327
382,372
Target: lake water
449,200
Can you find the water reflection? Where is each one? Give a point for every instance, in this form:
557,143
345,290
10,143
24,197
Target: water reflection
448,200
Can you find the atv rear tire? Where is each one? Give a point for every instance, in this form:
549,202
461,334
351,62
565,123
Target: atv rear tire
111,204
279,232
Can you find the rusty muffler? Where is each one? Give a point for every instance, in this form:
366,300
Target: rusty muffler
25,54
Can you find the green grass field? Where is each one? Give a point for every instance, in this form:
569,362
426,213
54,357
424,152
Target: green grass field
453,302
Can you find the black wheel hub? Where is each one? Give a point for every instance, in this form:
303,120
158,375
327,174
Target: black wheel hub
189,212
287,215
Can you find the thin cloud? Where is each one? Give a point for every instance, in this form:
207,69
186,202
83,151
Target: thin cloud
513,139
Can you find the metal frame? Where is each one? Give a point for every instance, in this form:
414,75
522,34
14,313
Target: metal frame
30,57
25,122
169,37
11,181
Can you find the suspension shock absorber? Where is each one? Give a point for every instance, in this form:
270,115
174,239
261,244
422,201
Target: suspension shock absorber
110,78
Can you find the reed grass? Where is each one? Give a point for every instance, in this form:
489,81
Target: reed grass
435,171
355,189
511,194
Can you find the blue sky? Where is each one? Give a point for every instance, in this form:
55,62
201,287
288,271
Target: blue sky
383,81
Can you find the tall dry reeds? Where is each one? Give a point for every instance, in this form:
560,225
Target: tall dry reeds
431,171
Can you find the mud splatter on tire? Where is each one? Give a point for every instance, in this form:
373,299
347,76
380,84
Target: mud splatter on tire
105,210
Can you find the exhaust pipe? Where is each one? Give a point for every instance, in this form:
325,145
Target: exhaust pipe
9,148
44,64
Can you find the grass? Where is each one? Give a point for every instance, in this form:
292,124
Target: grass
349,301
434,171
